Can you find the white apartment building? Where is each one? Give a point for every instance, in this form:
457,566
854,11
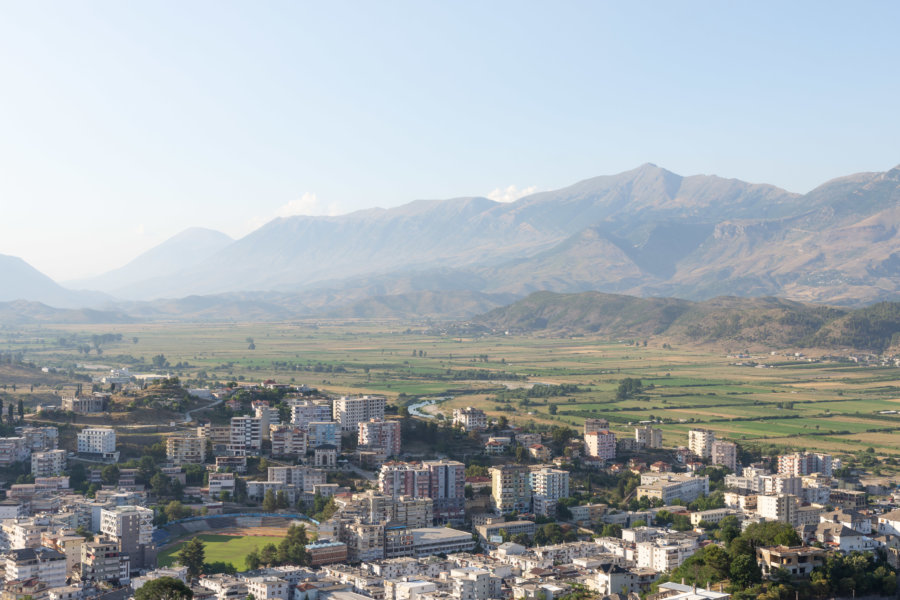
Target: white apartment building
472,583
380,433
245,437
700,442
49,463
805,463
601,444
672,486
267,415
470,419
304,412
511,488
648,436
664,556
324,433
97,440
268,588
780,507
351,411
44,564
548,486
288,440
595,425
724,454
184,448
221,482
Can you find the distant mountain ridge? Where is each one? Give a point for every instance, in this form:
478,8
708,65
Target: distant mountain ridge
644,232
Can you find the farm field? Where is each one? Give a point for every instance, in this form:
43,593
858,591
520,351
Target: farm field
765,399
225,548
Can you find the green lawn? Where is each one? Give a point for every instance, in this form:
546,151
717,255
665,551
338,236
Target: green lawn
226,548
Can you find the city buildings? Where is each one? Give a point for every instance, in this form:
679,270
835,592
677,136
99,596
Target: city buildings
601,443
548,486
380,433
725,454
672,486
185,448
351,411
648,436
511,488
48,463
805,463
245,437
700,442
131,528
100,441
470,419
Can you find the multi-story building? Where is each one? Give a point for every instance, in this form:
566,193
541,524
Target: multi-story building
185,448
39,439
351,411
365,542
304,412
648,436
805,463
664,556
672,486
267,415
326,552
288,440
405,479
12,450
511,488
780,507
601,444
246,436
82,401
700,442
591,425
131,528
268,587
49,463
798,561
101,561
712,516
324,433
548,486
221,482
725,454
44,564
446,487
412,512
379,433
98,440
470,419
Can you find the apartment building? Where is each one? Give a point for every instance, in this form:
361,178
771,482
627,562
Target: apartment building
326,552
98,440
663,555
268,587
470,419
44,564
304,412
780,507
648,436
591,425
724,454
324,433
267,415
288,440
39,439
101,561
672,486
511,488
405,479
700,442
185,448
48,463
548,486
380,433
245,438
221,482
351,411
131,528
805,463
601,443
446,487
12,450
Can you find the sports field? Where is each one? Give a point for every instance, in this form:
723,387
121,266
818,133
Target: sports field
223,547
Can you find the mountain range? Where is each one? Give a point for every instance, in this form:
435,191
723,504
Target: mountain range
644,232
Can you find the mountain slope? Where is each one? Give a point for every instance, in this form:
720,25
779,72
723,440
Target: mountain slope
183,250
771,322
21,281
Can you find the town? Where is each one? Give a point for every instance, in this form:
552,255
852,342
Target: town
287,493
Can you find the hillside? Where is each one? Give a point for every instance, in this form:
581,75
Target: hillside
772,322
21,312
21,281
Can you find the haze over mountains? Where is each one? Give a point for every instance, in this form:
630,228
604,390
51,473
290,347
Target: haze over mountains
645,232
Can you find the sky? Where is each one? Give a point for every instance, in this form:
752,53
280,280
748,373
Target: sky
123,123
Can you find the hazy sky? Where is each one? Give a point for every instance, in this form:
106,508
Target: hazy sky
122,123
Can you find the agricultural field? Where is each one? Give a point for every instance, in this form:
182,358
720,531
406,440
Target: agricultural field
230,549
778,400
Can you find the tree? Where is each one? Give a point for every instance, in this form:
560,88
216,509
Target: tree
21,410
744,571
269,502
252,560
9,413
192,555
552,410
176,510
269,555
164,588
110,475
159,361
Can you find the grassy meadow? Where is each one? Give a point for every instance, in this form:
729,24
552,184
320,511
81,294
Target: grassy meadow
793,403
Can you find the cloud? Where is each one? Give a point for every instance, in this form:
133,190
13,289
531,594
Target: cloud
511,193
307,204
